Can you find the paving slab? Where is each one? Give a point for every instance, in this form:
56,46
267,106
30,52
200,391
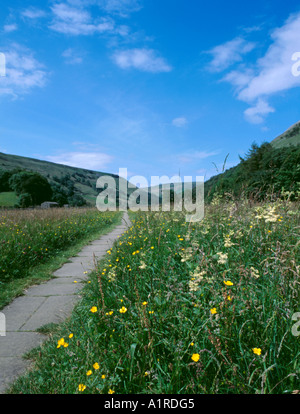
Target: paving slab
11,369
74,269
55,309
18,312
54,289
16,344
49,302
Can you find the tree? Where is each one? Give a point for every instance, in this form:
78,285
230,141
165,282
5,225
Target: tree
26,182
25,200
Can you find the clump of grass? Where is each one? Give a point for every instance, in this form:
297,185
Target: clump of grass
180,307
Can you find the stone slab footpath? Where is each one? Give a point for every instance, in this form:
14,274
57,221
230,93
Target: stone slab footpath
49,302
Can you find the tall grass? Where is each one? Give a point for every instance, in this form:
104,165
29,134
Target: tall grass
30,237
185,308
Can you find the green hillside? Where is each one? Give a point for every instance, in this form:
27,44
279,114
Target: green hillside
81,181
290,137
265,169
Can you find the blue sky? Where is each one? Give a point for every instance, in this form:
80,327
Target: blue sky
155,86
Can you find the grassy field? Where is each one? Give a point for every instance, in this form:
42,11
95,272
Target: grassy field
205,308
32,241
8,199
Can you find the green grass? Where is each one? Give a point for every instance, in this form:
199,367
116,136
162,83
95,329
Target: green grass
289,137
175,308
36,243
8,199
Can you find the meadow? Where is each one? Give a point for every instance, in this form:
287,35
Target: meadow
184,308
30,238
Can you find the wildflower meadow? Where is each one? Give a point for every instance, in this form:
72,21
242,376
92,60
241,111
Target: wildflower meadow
184,308
29,238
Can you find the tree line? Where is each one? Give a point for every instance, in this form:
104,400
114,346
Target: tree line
264,170
33,188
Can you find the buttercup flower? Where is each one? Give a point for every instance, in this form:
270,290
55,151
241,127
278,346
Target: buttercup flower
213,311
195,357
81,387
94,309
256,351
228,283
96,365
60,342
123,309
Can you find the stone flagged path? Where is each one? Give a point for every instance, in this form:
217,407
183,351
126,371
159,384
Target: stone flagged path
49,302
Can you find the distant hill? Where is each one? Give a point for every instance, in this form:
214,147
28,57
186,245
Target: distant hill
290,137
82,180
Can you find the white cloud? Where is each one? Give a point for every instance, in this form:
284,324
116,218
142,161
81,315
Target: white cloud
271,74
120,7
33,13
10,28
229,53
256,114
142,59
179,122
78,21
72,57
23,72
88,160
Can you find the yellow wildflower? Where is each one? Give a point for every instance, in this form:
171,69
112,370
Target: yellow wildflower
81,387
60,342
256,351
195,357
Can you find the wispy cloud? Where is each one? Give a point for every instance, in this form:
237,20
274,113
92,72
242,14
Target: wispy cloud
10,27
257,113
225,55
121,7
72,57
273,71
33,13
78,21
256,82
23,72
89,160
179,122
145,60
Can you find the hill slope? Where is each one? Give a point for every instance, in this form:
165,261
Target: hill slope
83,180
269,167
290,137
